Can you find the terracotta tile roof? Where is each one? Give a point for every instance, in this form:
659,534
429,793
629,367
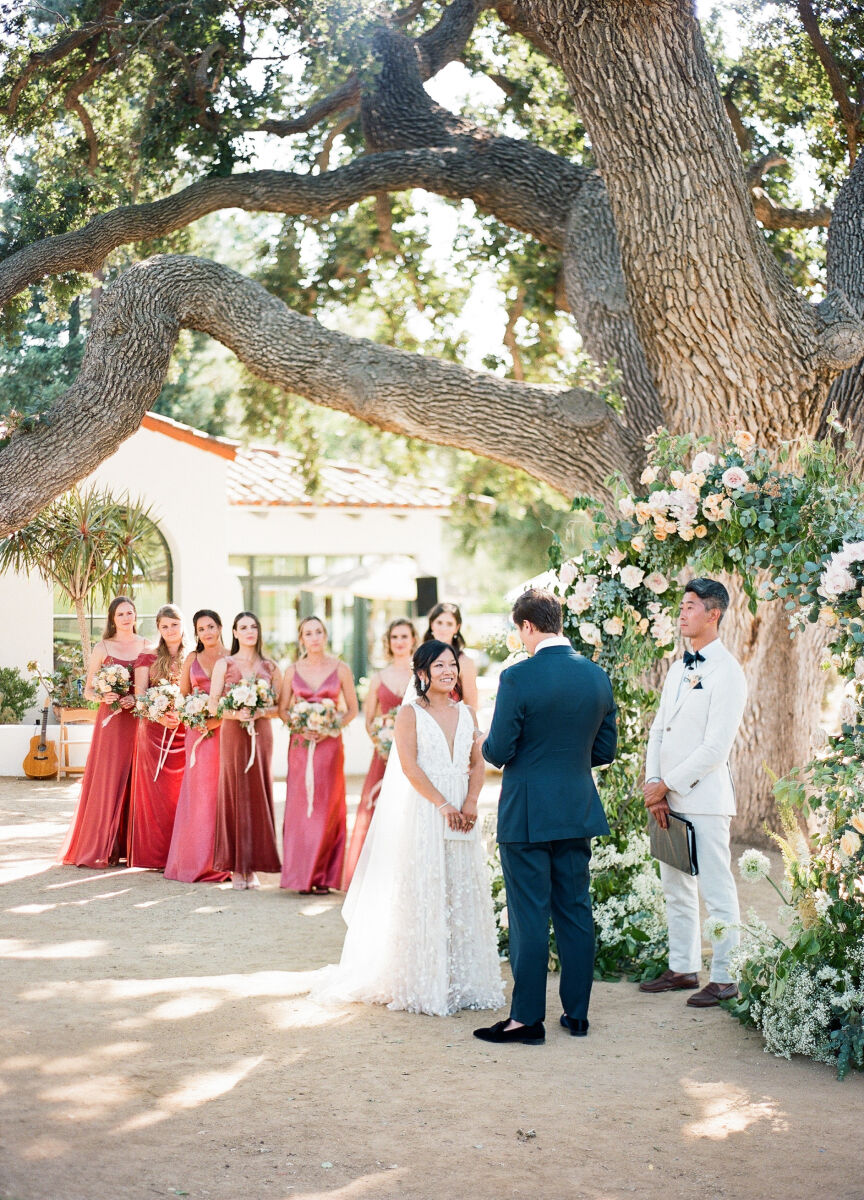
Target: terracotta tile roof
260,475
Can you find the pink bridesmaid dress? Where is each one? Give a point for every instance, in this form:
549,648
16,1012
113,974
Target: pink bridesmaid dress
190,855
155,789
387,700
97,835
313,843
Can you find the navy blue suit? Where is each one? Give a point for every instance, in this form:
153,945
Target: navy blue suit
554,720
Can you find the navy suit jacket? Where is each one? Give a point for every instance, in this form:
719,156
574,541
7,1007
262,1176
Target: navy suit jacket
554,720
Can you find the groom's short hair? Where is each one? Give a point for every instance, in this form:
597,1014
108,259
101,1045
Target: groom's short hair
541,608
711,592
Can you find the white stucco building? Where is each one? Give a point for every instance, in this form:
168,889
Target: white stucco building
240,531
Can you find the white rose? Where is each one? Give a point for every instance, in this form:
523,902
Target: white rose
578,602
703,461
632,576
744,441
568,573
648,476
589,633
614,626
734,477
626,507
656,583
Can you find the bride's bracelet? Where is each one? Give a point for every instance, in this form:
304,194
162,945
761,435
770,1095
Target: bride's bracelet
444,805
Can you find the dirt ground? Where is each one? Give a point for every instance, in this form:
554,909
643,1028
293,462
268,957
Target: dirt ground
158,1042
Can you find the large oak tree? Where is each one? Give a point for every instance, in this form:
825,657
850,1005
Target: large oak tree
654,202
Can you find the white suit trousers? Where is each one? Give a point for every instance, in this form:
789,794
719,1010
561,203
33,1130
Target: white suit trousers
716,884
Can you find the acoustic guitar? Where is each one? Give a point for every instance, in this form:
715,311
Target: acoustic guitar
41,762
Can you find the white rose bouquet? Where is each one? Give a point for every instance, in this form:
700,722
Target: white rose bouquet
253,695
158,701
153,705
307,718
256,695
194,711
383,733
112,677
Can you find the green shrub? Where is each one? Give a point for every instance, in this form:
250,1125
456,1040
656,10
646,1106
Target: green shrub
16,695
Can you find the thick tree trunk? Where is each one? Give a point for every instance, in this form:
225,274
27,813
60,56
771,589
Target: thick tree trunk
785,687
727,339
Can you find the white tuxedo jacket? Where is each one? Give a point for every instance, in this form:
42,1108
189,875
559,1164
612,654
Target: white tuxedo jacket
693,732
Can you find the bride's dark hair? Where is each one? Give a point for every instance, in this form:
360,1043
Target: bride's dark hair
424,656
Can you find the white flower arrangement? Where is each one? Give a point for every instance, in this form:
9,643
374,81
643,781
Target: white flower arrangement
163,698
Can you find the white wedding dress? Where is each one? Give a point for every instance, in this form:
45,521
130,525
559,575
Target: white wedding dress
421,931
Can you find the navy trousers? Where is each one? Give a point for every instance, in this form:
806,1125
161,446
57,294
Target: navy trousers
546,879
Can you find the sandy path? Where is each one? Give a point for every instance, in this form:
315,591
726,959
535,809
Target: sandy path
157,1042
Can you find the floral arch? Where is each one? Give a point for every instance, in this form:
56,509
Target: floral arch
792,528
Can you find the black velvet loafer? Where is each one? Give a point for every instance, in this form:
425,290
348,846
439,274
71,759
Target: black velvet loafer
577,1027
528,1035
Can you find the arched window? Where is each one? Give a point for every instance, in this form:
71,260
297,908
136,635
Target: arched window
149,594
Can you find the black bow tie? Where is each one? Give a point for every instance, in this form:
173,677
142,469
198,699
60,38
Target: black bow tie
690,660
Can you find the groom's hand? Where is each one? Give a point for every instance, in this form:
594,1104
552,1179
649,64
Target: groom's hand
656,803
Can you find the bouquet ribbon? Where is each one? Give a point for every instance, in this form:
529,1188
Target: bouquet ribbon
113,713
310,777
163,749
198,742
253,734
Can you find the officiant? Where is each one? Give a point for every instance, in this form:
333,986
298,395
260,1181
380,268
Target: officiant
687,773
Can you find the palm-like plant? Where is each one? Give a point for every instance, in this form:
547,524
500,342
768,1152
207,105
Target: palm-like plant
89,544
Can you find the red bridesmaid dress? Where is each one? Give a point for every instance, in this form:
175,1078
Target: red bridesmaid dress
97,835
190,855
313,842
155,789
387,700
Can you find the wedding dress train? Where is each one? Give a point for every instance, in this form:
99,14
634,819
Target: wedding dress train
421,931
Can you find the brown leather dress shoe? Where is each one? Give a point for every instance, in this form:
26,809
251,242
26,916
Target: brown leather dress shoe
671,981
712,994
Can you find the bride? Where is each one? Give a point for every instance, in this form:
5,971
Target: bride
421,931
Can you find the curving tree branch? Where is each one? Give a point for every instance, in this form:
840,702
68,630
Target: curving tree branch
501,177
134,334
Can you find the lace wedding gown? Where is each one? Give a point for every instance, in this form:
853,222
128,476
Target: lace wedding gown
421,931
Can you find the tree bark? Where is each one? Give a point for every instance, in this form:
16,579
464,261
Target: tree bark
83,628
726,337
136,328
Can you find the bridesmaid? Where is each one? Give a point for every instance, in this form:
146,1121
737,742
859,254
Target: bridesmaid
314,844
97,835
245,840
190,856
155,788
444,625
386,689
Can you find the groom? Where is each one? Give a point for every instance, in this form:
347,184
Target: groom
554,720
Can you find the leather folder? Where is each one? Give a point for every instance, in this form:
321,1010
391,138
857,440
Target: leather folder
675,845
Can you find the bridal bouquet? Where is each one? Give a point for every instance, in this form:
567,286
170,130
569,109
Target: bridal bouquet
383,732
113,677
252,694
315,716
162,698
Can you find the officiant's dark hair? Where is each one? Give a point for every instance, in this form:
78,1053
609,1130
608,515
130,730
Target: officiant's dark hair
711,592
424,657
541,608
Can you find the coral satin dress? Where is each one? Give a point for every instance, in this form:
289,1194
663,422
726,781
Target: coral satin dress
387,700
157,777
97,835
313,834
190,855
